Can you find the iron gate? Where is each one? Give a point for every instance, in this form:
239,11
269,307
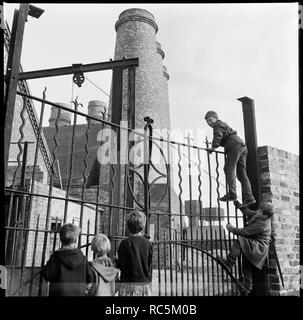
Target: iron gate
91,181
185,243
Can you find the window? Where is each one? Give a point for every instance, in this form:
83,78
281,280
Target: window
54,234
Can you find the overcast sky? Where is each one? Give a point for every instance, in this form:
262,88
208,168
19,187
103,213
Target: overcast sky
215,53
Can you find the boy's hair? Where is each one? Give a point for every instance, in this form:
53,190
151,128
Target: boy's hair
267,208
136,221
211,114
69,233
101,244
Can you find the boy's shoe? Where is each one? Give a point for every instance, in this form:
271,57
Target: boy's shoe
225,263
247,203
244,289
228,197
237,204
247,286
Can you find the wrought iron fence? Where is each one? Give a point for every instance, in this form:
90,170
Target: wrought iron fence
94,183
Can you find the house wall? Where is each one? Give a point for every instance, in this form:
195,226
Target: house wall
279,178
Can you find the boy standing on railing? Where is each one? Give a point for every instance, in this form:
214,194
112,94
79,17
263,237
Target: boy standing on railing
253,241
68,270
236,153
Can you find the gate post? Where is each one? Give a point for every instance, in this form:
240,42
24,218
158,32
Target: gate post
147,156
249,118
260,279
115,168
21,216
131,116
13,69
12,73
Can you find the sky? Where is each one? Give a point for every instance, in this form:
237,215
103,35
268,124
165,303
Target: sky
214,53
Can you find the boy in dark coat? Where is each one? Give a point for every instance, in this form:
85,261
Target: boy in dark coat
253,241
135,255
68,270
236,154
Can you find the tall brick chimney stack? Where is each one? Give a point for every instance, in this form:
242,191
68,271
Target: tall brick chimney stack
165,98
164,84
65,116
96,108
136,31
136,38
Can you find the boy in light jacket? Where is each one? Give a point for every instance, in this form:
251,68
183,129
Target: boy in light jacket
104,271
253,241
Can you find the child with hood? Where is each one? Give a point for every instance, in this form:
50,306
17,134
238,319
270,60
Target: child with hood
253,241
68,270
104,271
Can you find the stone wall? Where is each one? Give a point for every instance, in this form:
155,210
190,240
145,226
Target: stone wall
279,179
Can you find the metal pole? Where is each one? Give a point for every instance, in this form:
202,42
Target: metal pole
260,279
252,166
115,168
12,74
147,157
59,173
146,182
80,68
21,219
23,169
131,124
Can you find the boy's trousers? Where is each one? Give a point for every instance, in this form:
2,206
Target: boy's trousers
232,256
236,154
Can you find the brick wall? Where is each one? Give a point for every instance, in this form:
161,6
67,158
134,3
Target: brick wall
279,178
11,170
40,208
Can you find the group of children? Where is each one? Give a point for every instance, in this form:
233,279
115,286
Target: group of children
70,274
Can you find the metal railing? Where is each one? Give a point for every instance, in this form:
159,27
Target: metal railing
185,220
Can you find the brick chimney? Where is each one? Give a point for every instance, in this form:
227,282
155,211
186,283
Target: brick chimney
65,116
136,38
95,109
